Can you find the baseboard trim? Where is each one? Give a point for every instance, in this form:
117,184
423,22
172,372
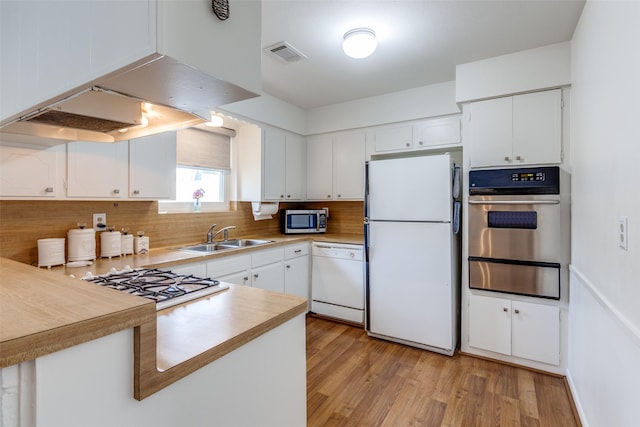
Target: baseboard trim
578,411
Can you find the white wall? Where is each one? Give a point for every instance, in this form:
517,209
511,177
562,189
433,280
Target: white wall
533,69
412,104
417,103
604,338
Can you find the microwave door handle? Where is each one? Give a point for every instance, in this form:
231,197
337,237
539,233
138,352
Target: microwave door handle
514,202
317,221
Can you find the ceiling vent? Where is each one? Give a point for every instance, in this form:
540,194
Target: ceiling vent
285,52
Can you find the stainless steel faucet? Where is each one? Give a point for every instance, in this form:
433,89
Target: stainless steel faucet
210,233
226,233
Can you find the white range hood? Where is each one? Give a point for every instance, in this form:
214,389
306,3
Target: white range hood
154,95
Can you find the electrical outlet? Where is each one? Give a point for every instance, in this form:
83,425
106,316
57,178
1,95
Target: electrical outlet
99,221
623,235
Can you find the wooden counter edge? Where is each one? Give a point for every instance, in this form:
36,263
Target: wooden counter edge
30,347
148,379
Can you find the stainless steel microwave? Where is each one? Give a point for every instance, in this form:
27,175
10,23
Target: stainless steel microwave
300,221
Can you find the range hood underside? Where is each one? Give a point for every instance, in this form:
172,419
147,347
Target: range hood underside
169,94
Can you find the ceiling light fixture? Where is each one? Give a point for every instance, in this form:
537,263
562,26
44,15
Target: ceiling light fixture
215,122
359,42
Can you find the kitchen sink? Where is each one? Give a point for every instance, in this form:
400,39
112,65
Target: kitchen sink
223,245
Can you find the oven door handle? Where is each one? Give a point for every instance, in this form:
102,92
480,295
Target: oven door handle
514,202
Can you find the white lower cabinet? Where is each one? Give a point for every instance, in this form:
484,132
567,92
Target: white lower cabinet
197,269
296,270
231,269
281,269
516,328
267,269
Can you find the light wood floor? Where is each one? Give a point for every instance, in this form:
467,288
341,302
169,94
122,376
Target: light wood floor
355,380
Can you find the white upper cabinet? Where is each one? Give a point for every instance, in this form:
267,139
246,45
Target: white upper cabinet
415,136
296,167
271,165
284,166
97,170
152,167
517,130
275,150
537,127
335,166
349,152
436,132
320,167
393,138
31,171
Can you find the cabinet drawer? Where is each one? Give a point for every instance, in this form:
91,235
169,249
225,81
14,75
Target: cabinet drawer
294,251
228,265
268,256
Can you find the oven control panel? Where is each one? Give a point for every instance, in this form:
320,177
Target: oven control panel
528,176
522,181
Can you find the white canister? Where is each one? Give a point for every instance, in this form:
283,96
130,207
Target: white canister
50,252
110,244
127,244
81,244
141,244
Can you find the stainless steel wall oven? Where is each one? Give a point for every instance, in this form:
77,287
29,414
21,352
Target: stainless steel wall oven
515,231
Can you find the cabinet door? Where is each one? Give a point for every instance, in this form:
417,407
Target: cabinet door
535,332
296,276
320,168
490,324
296,162
537,128
239,278
30,171
491,132
152,166
274,165
349,157
97,169
393,138
435,132
269,277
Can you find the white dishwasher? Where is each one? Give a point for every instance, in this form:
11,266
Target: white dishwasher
337,281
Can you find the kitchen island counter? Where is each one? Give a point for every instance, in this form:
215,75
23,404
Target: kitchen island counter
41,313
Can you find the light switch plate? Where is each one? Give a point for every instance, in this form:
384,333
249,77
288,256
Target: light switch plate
623,235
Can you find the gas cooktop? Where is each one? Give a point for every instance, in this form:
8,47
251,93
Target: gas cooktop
164,287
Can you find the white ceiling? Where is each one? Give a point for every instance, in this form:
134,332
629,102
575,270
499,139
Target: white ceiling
419,42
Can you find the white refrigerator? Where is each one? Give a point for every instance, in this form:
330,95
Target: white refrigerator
412,244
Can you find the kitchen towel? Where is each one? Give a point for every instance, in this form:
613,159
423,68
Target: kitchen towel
263,210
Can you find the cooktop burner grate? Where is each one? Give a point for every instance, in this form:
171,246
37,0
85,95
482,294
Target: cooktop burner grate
164,287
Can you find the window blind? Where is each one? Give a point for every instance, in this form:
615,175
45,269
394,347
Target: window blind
199,148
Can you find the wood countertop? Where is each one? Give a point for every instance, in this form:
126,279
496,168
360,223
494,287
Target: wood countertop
41,313
189,336
167,257
38,314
